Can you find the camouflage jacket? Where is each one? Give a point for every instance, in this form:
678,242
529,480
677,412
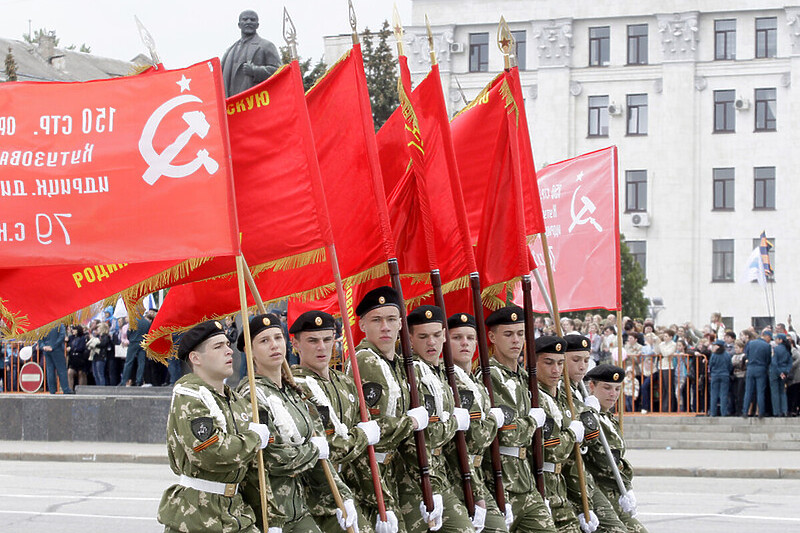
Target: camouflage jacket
591,438
207,438
559,444
597,461
511,395
291,460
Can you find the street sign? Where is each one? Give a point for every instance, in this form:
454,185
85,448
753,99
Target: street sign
31,377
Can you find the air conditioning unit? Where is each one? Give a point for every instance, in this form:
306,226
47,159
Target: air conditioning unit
614,109
741,104
456,48
640,220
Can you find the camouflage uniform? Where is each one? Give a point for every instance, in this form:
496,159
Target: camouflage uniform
291,459
386,393
482,431
597,463
511,395
339,413
208,439
436,396
559,444
609,521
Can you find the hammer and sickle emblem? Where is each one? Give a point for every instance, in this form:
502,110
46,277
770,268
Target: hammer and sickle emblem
161,164
587,209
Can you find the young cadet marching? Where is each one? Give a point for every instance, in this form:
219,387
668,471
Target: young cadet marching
520,420
484,422
293,458
211,440
605,383
426,328
576,364
334,395
560,431
386,393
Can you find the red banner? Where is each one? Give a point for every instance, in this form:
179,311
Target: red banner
581,212
127,170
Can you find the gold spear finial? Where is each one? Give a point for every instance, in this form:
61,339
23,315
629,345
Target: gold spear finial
290,34
430,40
505,41
397,27
353,21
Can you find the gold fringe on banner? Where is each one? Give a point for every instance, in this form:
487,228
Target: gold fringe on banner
489,295
11,322
454,285
344,56
68,320
292,261
478,98
505,92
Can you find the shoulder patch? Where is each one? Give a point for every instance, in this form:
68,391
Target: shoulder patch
430,405
508,414
467,398
372,393
589,421
203,428
547,429
324,414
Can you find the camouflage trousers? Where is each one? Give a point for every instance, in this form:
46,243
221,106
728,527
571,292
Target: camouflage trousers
632,524
455,518
609,521
561,508
305,524
329,524
530,513
495,520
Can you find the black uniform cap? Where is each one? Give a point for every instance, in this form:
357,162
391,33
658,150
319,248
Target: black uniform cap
258,324
195,336
577,343
550,344
313,321
506,315
426,314
460,320
380,297
606,373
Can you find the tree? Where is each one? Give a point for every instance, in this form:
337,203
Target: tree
634,303
380,66
11,66
310,75
37,36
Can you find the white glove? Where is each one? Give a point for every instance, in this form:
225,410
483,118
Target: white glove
498,415
547,504
372,431
322,445
628,503
462,416
479,519
390,526
538,414
352,516
263,432
591,525
275,530
420,416
509,516
578,430
434,516
593,402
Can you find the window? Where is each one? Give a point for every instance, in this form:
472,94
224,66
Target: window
637,44
599,46
761,322
598,116
724,114
637,114
766,108
639,252
723,189
635,191
722,260
478,52
757,243
767,37
764,184
725,39
520,42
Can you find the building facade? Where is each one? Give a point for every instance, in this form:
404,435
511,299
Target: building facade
703,102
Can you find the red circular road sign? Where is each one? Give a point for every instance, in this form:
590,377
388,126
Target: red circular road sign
31,377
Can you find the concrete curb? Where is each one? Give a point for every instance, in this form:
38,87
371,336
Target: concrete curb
739,473
84,457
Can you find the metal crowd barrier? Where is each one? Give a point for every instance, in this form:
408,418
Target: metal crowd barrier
15,363
673,385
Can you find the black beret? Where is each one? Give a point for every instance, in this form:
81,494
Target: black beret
258,324
195,336
426,314
606,373
380,297
506,315
577,343
460,320
312,321
550,344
